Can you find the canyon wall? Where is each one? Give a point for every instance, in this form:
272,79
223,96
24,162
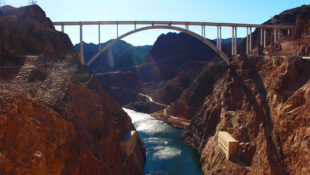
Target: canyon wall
54,116
263,101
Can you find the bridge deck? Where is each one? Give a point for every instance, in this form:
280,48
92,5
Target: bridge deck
171,23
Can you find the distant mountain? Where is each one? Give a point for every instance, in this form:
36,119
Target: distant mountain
172,50
227,41
120,55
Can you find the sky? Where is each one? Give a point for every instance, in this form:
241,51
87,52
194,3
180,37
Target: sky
231,11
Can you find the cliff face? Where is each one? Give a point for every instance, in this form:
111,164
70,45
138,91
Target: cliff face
263,102
54,116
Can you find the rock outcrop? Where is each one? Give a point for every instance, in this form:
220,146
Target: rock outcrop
54,116
263,102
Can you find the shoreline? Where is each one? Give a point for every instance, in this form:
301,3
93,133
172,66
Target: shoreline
174,121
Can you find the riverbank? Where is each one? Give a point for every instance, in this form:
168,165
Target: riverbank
171,120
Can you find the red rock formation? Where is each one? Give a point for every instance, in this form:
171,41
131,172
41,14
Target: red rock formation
263,102
54,116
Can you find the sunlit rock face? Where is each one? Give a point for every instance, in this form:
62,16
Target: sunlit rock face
263,102
54,116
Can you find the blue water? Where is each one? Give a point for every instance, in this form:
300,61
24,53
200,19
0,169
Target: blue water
166,153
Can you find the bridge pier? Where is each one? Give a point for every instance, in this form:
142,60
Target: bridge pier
203,31
62,28
288,32
261,37
236,44
233,41
247,41
99,42
274,35
265,42
116,30
219,37
81,45
250,49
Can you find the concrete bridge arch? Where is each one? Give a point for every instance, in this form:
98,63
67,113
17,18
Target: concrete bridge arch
201,38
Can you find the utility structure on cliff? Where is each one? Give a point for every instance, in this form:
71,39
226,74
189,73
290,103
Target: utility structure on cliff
174,25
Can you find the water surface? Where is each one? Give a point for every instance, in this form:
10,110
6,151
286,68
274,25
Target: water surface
166,153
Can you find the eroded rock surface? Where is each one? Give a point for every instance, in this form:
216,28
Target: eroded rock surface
54,116
263,102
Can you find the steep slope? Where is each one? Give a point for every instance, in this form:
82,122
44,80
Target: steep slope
263,102
54,116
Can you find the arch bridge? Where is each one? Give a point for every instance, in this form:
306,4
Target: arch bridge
174,25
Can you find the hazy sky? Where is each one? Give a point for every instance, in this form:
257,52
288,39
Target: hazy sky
233,11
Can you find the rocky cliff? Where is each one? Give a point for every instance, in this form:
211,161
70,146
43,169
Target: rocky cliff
54,116
262,101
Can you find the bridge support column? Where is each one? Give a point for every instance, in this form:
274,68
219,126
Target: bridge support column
236,44
274,36
261,37
99,42
135,26
186,26
116,30
288,32
233,41
219,37
250,49
203,31
81,45
264,44
62,28
247,40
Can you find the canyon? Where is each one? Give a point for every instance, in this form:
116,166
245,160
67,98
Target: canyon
59,117
261,99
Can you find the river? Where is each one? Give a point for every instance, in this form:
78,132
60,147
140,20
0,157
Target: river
166,152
